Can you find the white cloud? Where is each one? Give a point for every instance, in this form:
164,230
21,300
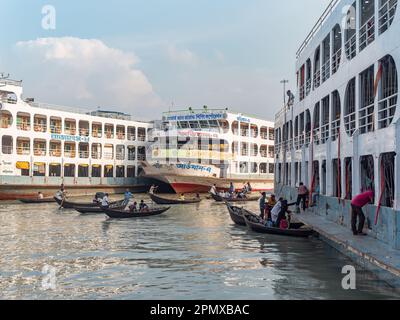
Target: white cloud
181,56
85,72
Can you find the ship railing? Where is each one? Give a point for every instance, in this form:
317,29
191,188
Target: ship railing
335,129
367,33
141,138
6,149
366,118
55,129
141,157
8,100
350,123
23,126
70,154
264,135
317,78
23,151
302,92
386,15
96,155
84,132
120,156
324,133
131,157
301,140
108,155
5,123
308,86
109,135
39,127
326,72
84,154
351,47
386,110
325,15
307,139
58,107
9,82
297,143
55,153
70,131
317,135
97,134
40,152
336,60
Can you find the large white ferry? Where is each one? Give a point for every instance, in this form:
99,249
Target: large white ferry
195,149
43,146
343,132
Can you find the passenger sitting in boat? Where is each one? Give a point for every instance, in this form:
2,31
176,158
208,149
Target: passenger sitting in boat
268,207
276,210
127,195
213,189
133,207
182,197
153,189
143,207
281,216
40,195
249,187
105,203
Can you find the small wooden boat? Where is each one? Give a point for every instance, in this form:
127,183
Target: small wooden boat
122,214
256,224
45,200
160,200
218,198
236,215
120,205
72,205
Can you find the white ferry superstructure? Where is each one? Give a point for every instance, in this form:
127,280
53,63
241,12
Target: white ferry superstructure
195,149
343,132
43,146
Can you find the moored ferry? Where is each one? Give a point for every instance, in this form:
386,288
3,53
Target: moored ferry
342,134
195,149
43,146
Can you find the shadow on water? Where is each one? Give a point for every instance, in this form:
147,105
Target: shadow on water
190,252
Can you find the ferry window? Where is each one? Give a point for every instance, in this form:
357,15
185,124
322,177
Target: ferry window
263,168
109,131
96,171
39,123
235,148
120,171
55,170
367,98
253,150
388,91
254,131
279,173
316,123
97,131
296,133
84,128
24,166
131,153
387,10
55,125
108,171
325,120
336,178
271,168
55,148
7,144
108,153
336,112
39,147
315,180
140,170
120,152
245,148
235,128
326,58
323,172
69,170
387,173
70,127
271,134
301,130
244,167
130,171
70,149
317,68
23,121
254,167
131,133
337,48
83,150
302,82
224,125
367,175
244,129
83,171
121,132
141,153
296,173
348,177
308,76
350,107
308,128
23,146
350,33
96,150
367,23
5,119
39,169
141,134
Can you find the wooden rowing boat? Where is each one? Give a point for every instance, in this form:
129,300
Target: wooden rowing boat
46,200
122,214
119,205
73,205
160,200
218,198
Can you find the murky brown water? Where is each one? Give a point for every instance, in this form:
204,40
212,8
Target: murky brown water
191,252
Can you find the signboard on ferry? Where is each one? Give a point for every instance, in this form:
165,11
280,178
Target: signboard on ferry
66,137
197,117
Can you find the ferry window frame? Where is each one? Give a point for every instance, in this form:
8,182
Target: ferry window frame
367,27
387,13
349,115
350,34
7,148
10,119
336,48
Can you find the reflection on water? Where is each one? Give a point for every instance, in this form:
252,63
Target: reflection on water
191,252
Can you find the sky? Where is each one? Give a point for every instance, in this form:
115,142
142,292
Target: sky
151,56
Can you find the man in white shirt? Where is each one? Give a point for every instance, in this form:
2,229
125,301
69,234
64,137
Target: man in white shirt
105,201
276,210
213,190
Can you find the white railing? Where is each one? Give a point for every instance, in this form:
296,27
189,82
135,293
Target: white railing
386,110
326,72
307,139
23,151
108,156
120,156
84,154
131,136
324,133
366,119
6,149
24,126
96,155
69,154
336,60
131,157
335,129
55,152
302,92
386,15
5,123
351,47
367,33
350,123
39,127
317,79
308,86
55,129
6,82
8,100
317,135
38,151
297,143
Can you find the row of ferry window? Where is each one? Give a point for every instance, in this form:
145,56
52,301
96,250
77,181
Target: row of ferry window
255,168
327,56
327,118
370,177
70,127
82,150
70,170
244,130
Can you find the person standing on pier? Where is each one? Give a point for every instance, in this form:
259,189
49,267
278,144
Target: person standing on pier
302,193
357,204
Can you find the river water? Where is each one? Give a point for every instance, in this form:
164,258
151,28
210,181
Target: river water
191,252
